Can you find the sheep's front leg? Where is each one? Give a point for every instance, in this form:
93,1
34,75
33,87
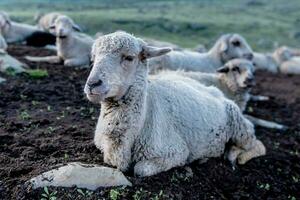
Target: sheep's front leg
156,165
116,152
257,149
259,98
48,59
76,62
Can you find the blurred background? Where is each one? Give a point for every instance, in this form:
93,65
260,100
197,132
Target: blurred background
265,24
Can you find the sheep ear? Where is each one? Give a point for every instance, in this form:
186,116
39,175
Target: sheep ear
149,51
8,22
224,45
224,69
77,28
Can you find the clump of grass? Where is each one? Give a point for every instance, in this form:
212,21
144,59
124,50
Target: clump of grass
37,73
10,71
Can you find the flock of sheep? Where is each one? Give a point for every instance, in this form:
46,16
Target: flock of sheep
162,106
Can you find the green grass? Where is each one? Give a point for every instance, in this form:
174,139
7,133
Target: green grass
36,73
186,23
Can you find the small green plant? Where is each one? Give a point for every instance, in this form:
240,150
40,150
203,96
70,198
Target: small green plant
66,157
159,196
51,129
37,73
85,193
10,71
295,179
24,115
140,194
47,195
114,194
264,186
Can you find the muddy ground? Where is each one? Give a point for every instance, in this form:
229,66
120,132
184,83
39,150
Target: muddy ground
46,122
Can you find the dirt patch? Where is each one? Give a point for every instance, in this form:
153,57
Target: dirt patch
47,122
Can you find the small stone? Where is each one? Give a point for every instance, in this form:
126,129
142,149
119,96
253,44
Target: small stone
82,176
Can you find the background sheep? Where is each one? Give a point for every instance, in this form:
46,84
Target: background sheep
227,47
235,79
291,66
13,31
162,123
159,43
72,49
272,62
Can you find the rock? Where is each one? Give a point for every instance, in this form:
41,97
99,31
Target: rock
80,175
7,61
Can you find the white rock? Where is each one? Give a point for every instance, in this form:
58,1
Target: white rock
81,175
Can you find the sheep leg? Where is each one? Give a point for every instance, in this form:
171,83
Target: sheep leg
265,123
48,59
258,149
116,155
76,62
259,98
156,165
233,154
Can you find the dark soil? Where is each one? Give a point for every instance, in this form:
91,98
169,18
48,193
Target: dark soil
46,122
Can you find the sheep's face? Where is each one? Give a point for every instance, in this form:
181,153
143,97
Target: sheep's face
282,54
117,59
234,46
4,21
63,26
238,74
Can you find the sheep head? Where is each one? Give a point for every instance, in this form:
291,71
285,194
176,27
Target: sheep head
63,26
5,21
117,59
282,54
232,46
237,74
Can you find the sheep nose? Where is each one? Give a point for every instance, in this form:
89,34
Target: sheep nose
95,84
249,56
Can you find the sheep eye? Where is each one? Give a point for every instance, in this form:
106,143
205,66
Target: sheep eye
128,58
236,69
236,43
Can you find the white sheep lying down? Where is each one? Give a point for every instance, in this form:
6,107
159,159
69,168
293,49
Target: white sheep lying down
235,79
72,49
159,122
283,60
227,47
13,31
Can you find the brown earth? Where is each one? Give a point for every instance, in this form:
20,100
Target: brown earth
46,122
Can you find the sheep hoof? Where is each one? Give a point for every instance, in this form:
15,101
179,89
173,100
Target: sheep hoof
257,150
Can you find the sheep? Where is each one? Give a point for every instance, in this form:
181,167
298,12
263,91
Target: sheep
159,43
227,47
72,49
14,32
159,122
291,66
235,79
200,48
272,61
40,39
46,21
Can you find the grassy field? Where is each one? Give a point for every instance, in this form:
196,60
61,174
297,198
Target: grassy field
265,24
